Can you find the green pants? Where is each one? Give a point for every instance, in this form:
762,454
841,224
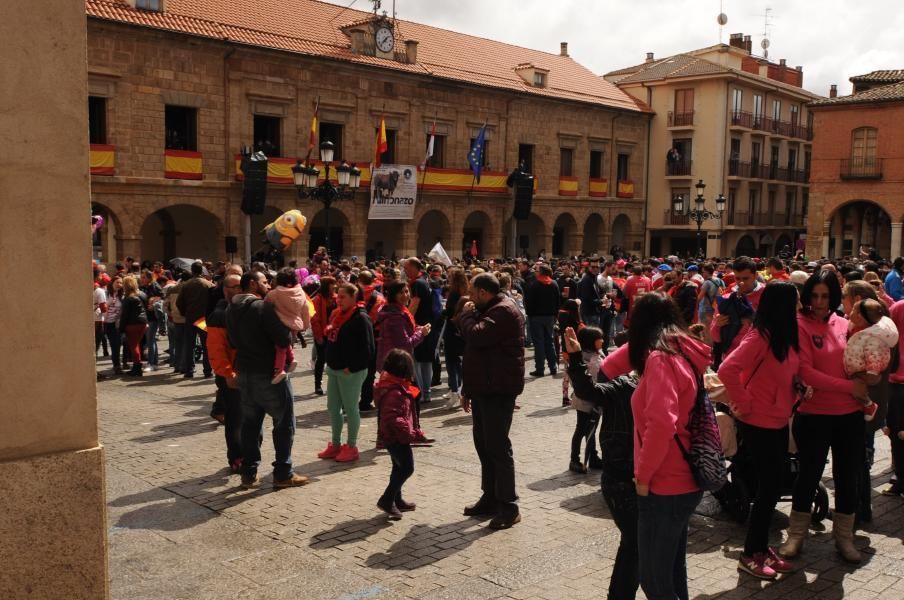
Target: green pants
342,394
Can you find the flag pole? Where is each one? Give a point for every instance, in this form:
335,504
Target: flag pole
479,160
307,160
427,160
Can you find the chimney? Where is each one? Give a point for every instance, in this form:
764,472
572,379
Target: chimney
748,44
783,62
799,68
563,49
411,51
736,40
649,57
833,91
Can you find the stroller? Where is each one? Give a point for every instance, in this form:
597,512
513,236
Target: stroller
736,496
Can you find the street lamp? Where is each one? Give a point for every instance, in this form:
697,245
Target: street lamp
699,214
306,177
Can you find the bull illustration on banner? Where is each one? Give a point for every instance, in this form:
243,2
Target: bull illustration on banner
393,192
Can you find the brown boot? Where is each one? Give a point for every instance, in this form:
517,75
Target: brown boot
797,531
843,532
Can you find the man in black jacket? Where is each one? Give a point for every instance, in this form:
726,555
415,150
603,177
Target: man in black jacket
541,302
493,377
590,295
254,331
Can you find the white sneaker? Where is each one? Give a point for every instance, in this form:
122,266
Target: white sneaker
454,399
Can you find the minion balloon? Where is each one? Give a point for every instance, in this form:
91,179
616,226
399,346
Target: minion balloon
283,231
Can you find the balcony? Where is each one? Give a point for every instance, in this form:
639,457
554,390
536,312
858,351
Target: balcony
670,217
869,168
681,119
680,168
740,118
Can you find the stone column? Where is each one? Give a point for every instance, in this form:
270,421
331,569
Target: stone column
839,232
826,235
357,244
128,245
575,244
53,523
895,250
408,240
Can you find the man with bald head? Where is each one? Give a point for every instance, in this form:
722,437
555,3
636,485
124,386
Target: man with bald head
222,361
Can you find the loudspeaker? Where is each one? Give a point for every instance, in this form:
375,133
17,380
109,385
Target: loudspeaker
232,244
524,195
254,192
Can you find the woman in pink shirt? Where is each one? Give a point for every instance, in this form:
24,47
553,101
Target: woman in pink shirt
759,378
670,364
830,418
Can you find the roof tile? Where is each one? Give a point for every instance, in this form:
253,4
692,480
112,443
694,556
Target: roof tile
315,28
887,93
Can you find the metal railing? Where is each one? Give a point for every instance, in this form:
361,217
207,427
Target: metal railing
861,168
678,168
672,218
741,118
681,119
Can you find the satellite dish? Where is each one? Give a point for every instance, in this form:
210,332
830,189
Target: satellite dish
722,19
764,43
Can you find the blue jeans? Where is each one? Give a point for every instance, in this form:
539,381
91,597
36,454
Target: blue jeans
259,399
150,342
662,543
541,333
189,337
175,332
423,372
454,370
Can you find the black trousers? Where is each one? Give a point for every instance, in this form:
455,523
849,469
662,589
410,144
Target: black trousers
768,449
230,402
367,388
621,498
492,422
319,362
584,429
402,469
815,435
895,422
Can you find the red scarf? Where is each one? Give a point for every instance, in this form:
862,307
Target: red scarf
544,279
410,316
338,319
388,379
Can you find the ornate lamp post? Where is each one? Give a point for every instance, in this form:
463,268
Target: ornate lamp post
306,176
699,213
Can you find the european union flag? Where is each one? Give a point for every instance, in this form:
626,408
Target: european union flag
475,156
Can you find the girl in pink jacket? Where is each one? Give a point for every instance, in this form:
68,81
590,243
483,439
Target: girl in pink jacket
760,378
292,307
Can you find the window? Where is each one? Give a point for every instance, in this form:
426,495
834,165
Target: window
795,114
267,135
526,157
732,204
566,156
863,146
155,5
771,203
776,110
792,159
333,133
752,205
757,109
734,158
737,100
181,124
486,151
390,155
539,79
622,169
684,101
97,120
807,158
756,154
596,164
439,151
773,161
790,208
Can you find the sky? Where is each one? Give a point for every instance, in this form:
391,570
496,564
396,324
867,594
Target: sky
831,39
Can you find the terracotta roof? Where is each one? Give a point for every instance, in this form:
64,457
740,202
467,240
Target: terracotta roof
687,65
315,28
886,93
881,76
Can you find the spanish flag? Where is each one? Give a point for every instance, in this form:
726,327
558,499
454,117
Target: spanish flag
382,143
313,141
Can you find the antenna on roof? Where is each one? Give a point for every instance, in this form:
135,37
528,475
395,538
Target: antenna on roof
376,4
722,20
767,23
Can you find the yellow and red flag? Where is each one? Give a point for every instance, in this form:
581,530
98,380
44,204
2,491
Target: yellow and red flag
313,141
382,143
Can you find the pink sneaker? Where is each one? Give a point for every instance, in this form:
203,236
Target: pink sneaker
777,563
756,566
331,451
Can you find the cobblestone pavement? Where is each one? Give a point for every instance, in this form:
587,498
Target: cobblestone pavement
180,526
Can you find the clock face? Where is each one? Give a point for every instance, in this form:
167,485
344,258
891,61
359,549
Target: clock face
385,39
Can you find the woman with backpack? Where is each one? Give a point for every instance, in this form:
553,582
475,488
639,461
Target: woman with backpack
670,364
759,378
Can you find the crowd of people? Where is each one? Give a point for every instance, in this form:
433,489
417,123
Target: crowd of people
803,356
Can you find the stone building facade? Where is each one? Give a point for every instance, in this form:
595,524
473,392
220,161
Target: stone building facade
857,182
149,73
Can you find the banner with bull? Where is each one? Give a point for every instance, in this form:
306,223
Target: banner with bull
393,192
